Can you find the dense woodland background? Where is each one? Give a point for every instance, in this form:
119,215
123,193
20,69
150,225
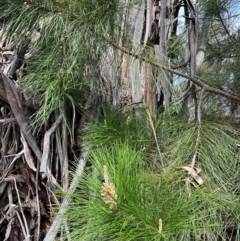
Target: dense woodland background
119,120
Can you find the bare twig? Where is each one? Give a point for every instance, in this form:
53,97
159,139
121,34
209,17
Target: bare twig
26,230
53,194
5,121
59,148
9,213
67,231
65,176
53,179
10,197
22,226
13,178
4,140
16,156
191,169
58,221
155,137
199,128
226,28
44,170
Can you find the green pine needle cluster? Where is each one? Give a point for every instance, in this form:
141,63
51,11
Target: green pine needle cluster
143,199
64,42
149,203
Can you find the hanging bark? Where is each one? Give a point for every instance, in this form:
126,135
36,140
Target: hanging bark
136,18
202,42
196,46
150,89
190,54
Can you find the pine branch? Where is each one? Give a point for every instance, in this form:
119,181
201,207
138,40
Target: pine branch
196,80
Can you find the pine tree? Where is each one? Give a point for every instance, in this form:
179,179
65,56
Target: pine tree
84,82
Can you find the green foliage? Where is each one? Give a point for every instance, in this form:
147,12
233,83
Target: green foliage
142,199
65,42
145,193
117,127
121,126
217,156
176,49
222,53
213,7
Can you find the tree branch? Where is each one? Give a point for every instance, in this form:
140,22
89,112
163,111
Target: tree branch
196,80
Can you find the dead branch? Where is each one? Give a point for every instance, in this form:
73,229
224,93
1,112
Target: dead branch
26,230
13,178
65,176
199,128
59,220
59,149
9,228
155,137
53,180
6,121
20,117
191,169
4,140
16,156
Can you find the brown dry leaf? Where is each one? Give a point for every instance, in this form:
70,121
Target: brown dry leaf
194,173
9,229
27,153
